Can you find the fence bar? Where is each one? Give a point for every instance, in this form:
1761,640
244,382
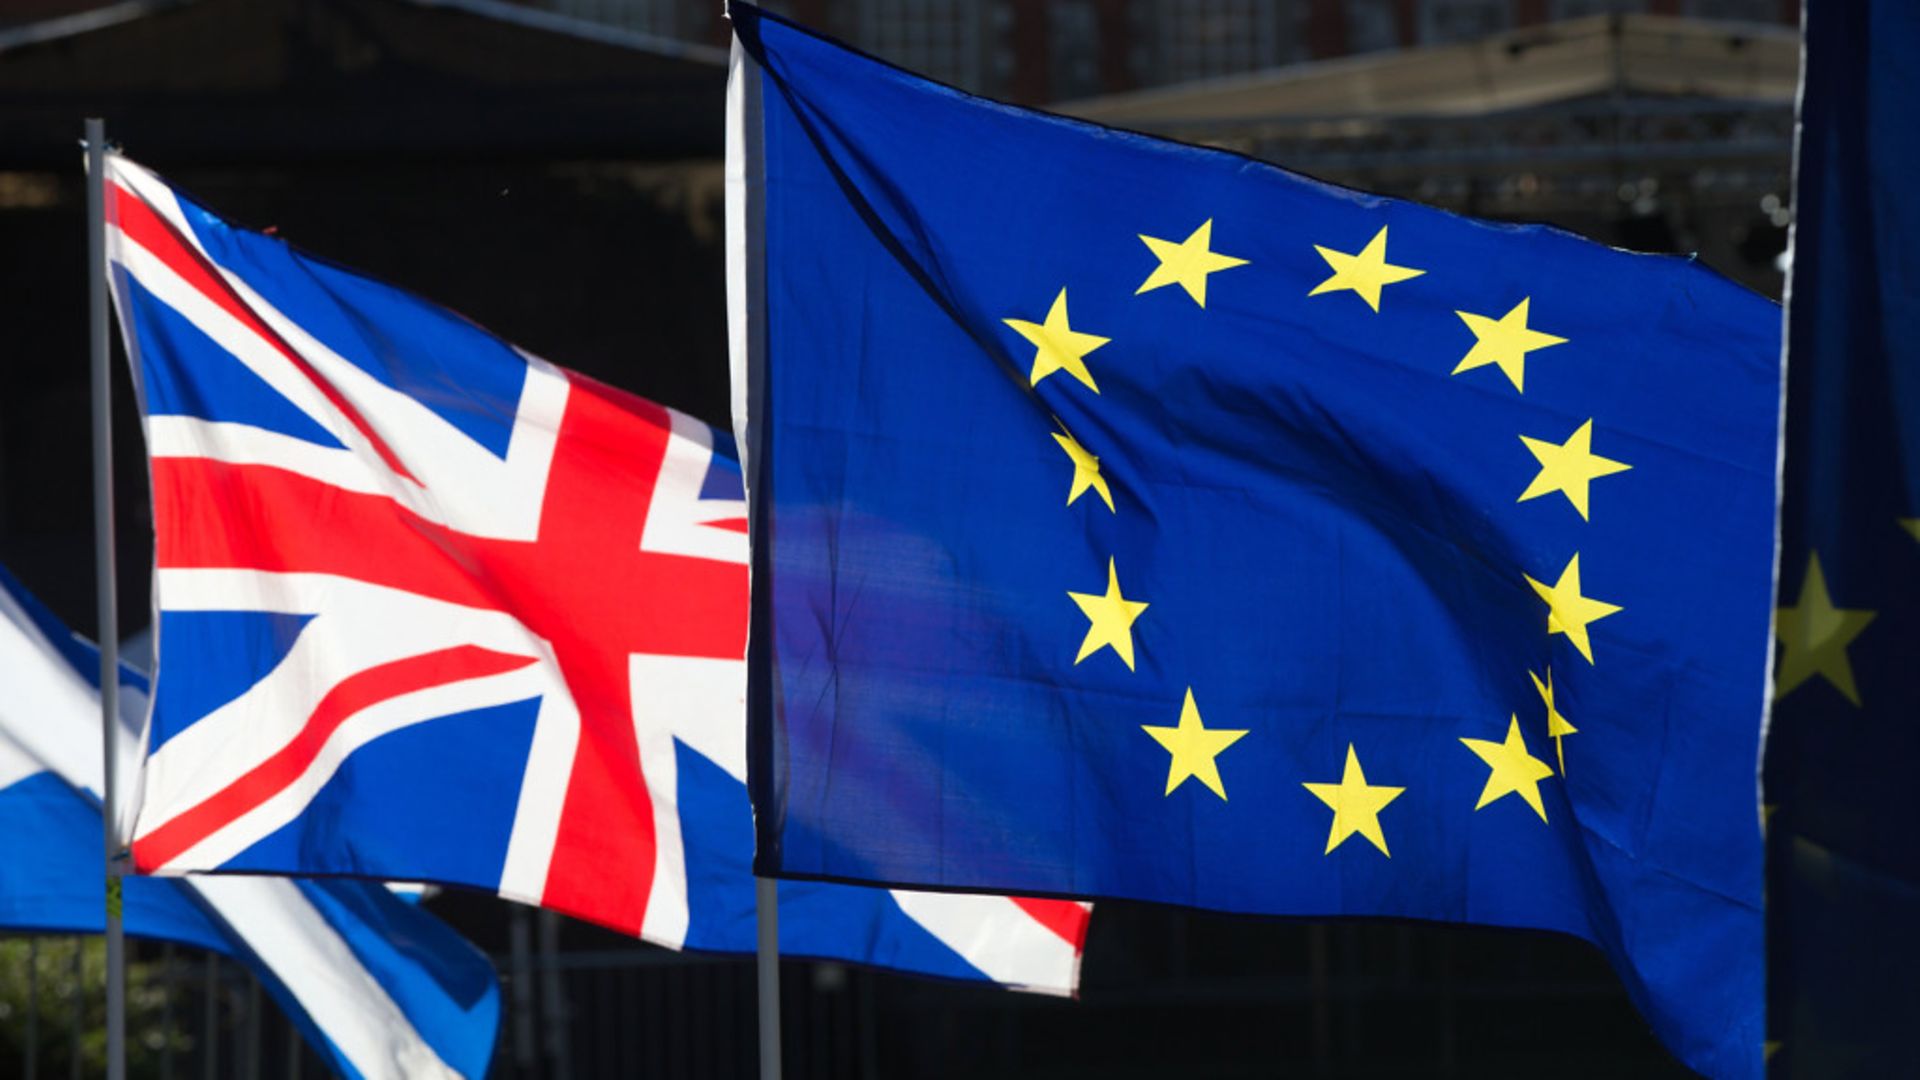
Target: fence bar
553,999
168,982
77,1001
210,1022
32,1064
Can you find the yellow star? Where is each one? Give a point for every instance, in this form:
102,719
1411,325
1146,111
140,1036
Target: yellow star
1569,467
1356,805
1086,470
1505,341
1058,346
1912,525
1109,619
1557,726
1366,273
1186,263
1816,635
1568,612
1193,746
1515,772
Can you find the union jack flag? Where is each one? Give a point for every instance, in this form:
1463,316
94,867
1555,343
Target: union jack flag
430,608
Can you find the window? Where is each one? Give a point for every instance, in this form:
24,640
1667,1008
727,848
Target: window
1203,39
1372,25
940,39
1574,9
665,18
1443,21
1073,50
1750,10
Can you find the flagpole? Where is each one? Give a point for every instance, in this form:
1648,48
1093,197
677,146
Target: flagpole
766,910
106,584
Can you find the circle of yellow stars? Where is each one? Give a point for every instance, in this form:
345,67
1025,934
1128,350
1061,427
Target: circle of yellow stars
1059,346
1814,632
1568,466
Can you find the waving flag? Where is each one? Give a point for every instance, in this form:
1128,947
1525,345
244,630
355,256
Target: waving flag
433,609
378,987
1133,519
1843,885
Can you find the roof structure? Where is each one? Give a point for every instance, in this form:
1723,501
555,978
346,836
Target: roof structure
1550,116
1564,61
240,82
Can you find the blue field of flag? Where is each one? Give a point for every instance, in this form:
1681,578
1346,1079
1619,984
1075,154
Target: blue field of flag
1138,520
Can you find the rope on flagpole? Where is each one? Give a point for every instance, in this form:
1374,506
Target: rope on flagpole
106,584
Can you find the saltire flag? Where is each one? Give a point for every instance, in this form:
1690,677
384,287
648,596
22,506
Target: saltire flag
1843,882
1132,519
432,609
378,987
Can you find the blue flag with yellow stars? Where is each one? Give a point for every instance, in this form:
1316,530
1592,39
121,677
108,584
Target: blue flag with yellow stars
1138,520
1840,797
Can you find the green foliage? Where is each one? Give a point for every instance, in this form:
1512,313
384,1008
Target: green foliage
41,999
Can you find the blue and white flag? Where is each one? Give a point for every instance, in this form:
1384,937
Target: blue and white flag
378,987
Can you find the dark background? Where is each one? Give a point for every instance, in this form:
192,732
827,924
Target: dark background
553,171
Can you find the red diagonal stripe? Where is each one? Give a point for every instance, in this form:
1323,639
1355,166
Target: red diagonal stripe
1064,917
210,514
352,695
144,226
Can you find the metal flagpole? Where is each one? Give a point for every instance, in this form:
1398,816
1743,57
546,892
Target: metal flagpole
105,581
766,909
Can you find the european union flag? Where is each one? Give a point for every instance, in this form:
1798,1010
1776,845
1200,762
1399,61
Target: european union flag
1138,520
1844,874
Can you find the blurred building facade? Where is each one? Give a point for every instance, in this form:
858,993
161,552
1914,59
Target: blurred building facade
550,167
1039,51
1654,125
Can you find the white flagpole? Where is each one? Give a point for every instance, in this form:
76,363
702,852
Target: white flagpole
105,584
744,245
766,911
744,182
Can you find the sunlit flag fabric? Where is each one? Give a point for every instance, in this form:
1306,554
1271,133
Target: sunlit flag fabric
1843,891
1138,520
378,987
432,609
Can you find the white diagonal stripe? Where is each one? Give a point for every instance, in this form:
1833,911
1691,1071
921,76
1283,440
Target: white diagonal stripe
363,727
997,936
317,966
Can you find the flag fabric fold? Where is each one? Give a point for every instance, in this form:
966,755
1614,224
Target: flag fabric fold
1132,519
432,609
378,987
1844,866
